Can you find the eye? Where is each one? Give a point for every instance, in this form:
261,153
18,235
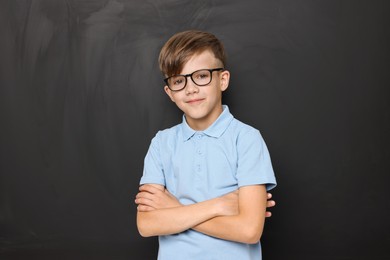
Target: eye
202,75
178,82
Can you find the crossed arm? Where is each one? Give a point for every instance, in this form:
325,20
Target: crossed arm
237,216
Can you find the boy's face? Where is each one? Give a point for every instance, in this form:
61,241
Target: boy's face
201,104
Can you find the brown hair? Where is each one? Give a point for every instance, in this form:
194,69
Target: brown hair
181,46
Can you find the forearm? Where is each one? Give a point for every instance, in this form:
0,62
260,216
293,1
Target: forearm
234,228
247,226
242,220
175,220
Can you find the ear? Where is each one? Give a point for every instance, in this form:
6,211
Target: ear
169,93
224,80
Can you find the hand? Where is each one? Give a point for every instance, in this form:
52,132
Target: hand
270,204
151,198
234,207
229,204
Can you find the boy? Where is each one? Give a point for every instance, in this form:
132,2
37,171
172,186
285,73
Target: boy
205,181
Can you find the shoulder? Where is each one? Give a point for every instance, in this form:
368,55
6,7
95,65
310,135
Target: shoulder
246,137
167,135
243,130
168,132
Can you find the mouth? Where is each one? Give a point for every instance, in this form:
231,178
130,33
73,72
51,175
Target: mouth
195,101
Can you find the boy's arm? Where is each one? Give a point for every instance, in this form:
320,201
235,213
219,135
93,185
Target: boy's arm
177,218
247,225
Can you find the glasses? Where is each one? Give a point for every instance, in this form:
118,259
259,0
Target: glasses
200,78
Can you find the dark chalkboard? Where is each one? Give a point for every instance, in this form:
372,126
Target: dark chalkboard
81,96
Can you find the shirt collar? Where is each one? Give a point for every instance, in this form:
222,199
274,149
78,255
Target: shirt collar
215,130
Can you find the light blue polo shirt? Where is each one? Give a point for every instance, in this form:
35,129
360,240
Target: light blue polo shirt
200,165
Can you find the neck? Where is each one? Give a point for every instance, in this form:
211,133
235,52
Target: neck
201,124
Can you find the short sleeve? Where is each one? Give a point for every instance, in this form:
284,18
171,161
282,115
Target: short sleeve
153,172
254,163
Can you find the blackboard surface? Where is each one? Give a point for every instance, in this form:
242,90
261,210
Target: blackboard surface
81,97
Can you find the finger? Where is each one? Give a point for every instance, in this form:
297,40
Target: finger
269,195
145,202
270,203
146,195
144,208
268,214
148,188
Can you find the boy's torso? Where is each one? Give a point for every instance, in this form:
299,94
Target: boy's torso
197,166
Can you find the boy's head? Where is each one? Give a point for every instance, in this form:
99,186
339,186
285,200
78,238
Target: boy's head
193,62
182,46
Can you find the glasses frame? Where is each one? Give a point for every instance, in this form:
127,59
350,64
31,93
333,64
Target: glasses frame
190,75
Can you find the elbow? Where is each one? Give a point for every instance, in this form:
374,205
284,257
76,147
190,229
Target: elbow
143,232
252,235
253,239
144,229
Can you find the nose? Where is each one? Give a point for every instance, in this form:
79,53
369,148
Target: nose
191,87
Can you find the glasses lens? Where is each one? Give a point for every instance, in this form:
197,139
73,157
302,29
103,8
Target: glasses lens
201,77
176,82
